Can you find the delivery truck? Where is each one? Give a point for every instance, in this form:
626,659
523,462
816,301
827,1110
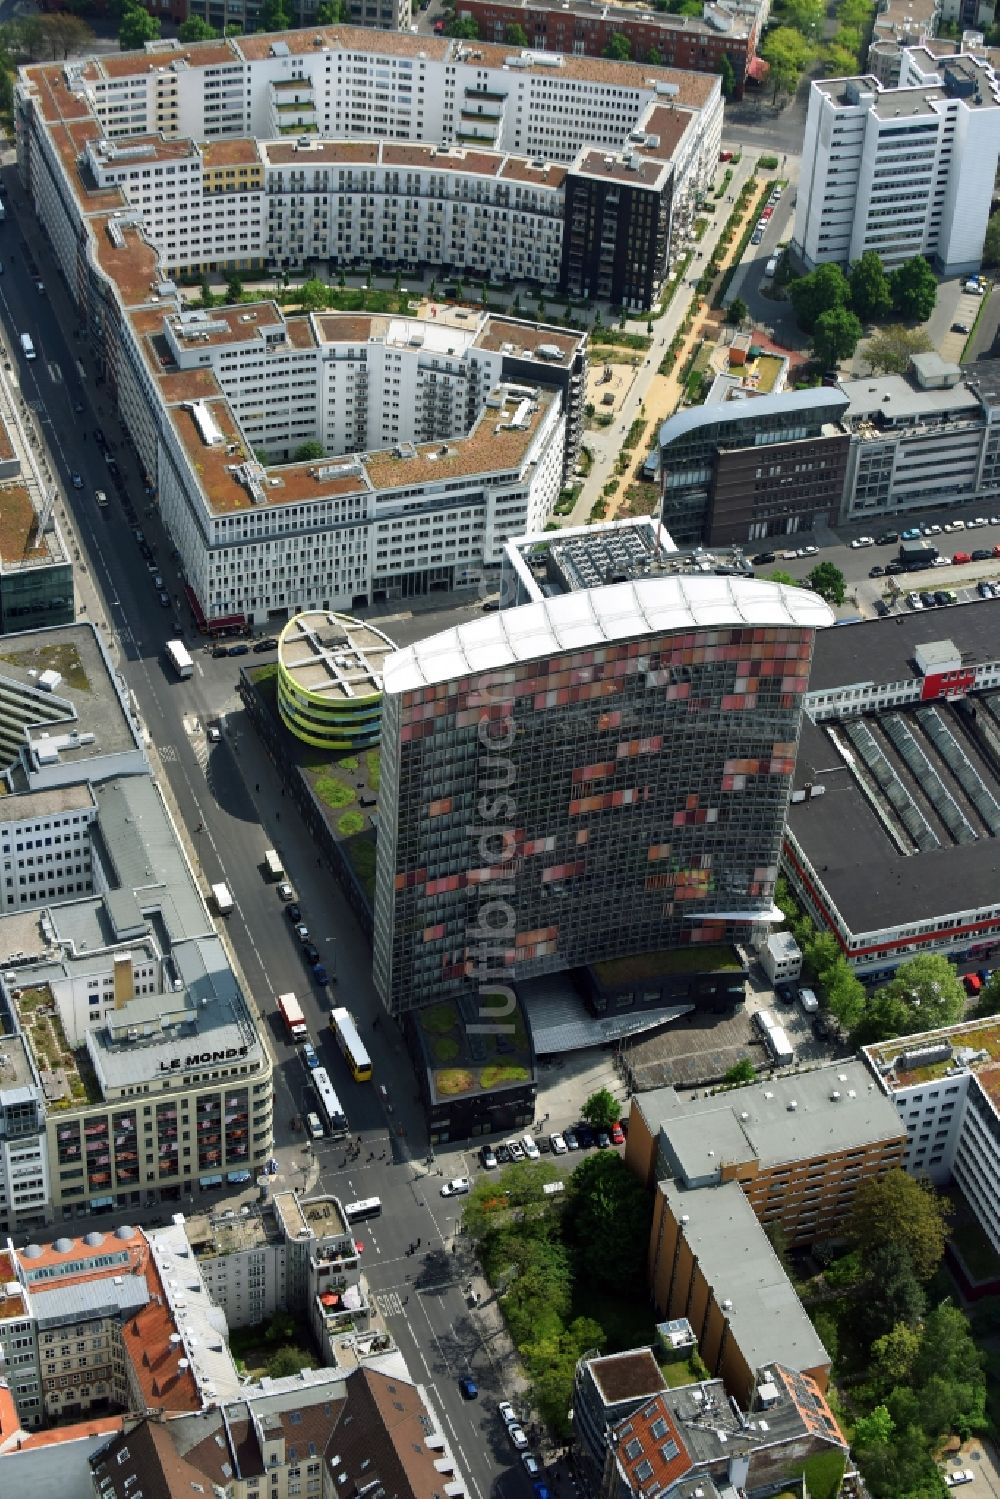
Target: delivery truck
223,899
180,658
291,1014
273,864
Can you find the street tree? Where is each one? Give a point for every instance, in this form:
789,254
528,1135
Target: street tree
551,1362
914,289
65,33
196,29
780,576
845,994
619,47
806,16
737,312
838,61
897,1210
313,295
822,290
136,27
601,1109
889,351
931,989
275,16
871,295
836,336
606,1222
828,581
788,54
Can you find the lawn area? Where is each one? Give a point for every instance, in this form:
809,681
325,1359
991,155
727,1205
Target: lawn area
255,1349
63,658
647,965
681,1372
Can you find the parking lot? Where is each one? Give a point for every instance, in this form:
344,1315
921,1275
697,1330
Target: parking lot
967,566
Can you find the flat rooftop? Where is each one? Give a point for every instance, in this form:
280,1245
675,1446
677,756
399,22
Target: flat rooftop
971,1046
333,657
22,545
735,1255
891,400
16,1070
212,1235
880,651
626,1376
82,701
818,1112
894,808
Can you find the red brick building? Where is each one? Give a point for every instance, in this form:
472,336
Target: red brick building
696,42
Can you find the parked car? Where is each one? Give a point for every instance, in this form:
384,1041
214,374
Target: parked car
982,554
913,534
763,558
309,1055
285,891
558,1144
881,608
517,1436
310,952
876,572
863,541
959,327
960,557
960,1476
617,1134
585,1135
213,733
516,1152
164,598
503,1155
945,596
467,1385
603,1140
530,1148
457,1187
892,568
570,1137
914,601
984,589
301,931
294,913
239,650
269,643
507,1413
488,1158
531,1464
887,539
927,599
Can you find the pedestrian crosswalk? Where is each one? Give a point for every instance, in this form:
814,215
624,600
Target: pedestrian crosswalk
389,1304
195,731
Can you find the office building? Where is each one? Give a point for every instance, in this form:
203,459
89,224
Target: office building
901,24
132,1065
750,469
673,799
922,442
36,575
902,171
583,28
387,15
891,840
102,1322
946,1086
330,680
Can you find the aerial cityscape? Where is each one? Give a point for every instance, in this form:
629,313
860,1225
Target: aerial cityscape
499,749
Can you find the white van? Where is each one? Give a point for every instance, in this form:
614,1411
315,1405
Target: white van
771,268
27,346
314,1126
808,1001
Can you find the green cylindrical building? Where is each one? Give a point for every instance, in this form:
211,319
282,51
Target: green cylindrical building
330,680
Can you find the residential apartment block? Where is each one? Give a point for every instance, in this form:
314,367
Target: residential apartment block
891,840
583,28
692,1441
789,1153
320,1433
131,1063
388,15
102,1322
903,171
292,1255
669,790
744,470
946,1086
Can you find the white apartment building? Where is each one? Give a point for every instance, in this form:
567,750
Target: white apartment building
945,1085
903,171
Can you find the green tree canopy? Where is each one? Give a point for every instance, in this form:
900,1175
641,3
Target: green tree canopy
313,295
839,61
780,576
806,16
275,16
136,27
894,1294
914,289
829,582
740,1072
619,47
515,35
234,289
552,1361
889,351
285,1362
822,290
607,1221
871,295
737,312
787,54
728,77
195,29
991,244
836,336
896,1210
465,28
929,990
601,1109
332,12
307,452
893,1356
845,994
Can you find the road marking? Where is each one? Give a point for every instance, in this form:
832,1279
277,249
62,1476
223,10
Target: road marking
55,373
168,753
389,1304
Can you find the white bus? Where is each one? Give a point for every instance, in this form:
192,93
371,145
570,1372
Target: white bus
180,658
367,1207
329,1104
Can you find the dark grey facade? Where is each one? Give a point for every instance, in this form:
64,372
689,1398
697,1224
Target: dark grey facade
35,595
749,469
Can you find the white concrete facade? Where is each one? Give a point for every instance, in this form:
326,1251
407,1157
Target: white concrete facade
903,171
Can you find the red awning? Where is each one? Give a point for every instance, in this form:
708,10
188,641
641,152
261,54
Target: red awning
758,69
227,625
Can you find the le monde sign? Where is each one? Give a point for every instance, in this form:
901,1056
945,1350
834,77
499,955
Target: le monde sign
203,1059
